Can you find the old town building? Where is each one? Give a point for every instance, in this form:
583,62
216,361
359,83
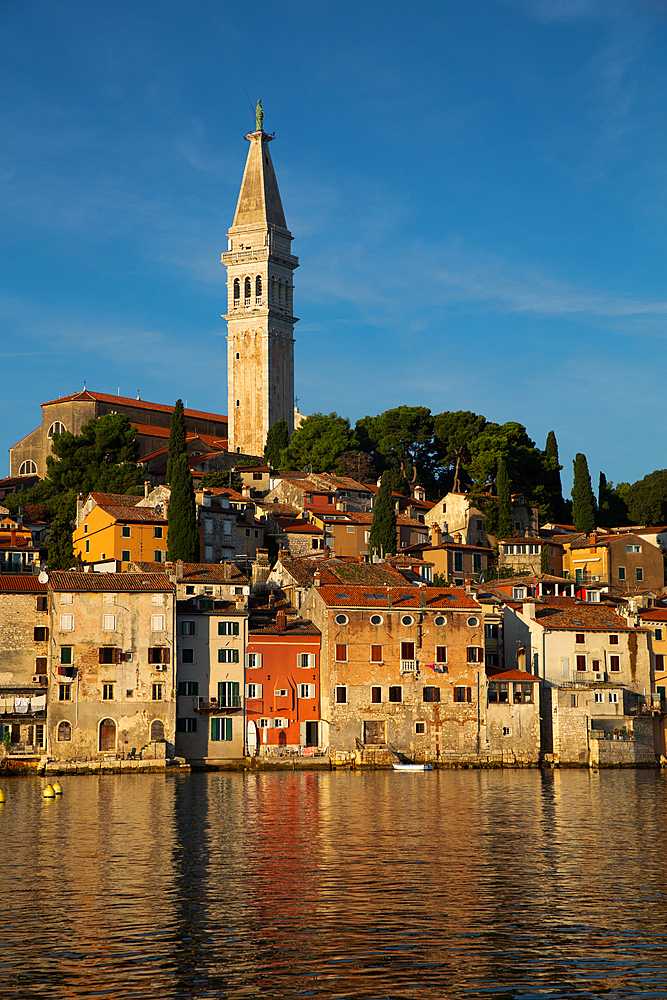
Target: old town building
24,664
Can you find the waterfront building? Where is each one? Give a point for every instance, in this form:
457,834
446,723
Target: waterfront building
111,683
24,664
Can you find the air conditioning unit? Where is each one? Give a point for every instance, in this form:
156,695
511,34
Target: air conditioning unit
160,666
127,657
40,679
598,677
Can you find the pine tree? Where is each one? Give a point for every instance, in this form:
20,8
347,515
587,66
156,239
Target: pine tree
183,535
276,439
583,500
176,438
383,526
504,501
554,485
61,549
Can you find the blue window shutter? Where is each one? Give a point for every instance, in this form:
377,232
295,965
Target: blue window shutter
228,729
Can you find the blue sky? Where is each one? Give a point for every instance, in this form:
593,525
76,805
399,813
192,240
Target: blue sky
477,191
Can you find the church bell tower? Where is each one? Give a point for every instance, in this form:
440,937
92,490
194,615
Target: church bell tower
260,320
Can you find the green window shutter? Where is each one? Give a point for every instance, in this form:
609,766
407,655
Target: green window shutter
235,656
228,729
215,733
221,693
236,701
235,628
221,656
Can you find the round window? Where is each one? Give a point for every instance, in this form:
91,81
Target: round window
407,620
342,619
440,620
376,619
56,428
472,622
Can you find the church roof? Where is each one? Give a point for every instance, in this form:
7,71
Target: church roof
259,200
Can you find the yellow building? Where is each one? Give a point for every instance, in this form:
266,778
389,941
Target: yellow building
125,534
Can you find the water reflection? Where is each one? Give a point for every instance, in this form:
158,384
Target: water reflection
451,884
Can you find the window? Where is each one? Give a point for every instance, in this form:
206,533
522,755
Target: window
186,725
125,555
581,662
108,623
613,640
440,654
253,690
376,654
264,723
28,469
598,697
189,589
639,573
376,695
281,723
107,692
658,634
87,545
580,637
523,693
475,654
228,628
67,623
187,655
407,650
66,654
108,598
458,562
63,692
40,634
420,728
407,620
507,731
614,663
158,654
595,666
476,562
157,555
125,531
208,553
376,619
157,531
228,694
64,732
305,660
306,690
341,652
67,598
621,572
613,697
42,603
396,693
188,688
187,628
221,730
659,662
431,694
157,623
253,660
341,695
440,620
108,654
633,548
56,428
462,694
493,692
237,291
228,656
473,622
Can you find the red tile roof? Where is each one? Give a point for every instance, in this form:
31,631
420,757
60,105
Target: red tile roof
101,583
580,618
119,499
513,675
134,515
21,583
140,404
293,629
370,596
654,615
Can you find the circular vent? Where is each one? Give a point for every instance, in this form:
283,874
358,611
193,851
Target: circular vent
440,620
376,619
473,622
407,620
342,619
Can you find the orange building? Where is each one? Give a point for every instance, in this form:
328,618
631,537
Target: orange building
122,533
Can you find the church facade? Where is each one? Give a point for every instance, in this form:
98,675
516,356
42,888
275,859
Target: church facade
260,315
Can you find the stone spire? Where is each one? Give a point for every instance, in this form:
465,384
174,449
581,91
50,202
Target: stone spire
259,201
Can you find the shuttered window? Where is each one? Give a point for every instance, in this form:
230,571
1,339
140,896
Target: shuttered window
221,730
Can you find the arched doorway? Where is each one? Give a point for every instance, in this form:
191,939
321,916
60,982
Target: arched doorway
282,738
107,735
157,729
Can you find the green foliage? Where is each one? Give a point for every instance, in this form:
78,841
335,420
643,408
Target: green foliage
183,536
101,457
555,510
455,435
383,526
647,499
60,547
583,500
544,563
176,437
222,479
612,508
440,580
401,440
357,465
318,443
276,440
504,501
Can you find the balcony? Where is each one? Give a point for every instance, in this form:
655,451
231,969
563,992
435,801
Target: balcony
409,667
207,707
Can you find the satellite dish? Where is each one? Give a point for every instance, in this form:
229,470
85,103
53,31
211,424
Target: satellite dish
43,577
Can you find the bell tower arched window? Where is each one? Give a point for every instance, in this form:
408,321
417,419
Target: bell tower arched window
237,291
248,291
281,292
258,290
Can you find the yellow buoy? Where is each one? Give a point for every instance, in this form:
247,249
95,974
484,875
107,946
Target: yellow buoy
2,796
57,788
49,793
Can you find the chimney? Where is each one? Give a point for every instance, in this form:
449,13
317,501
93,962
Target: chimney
241,602
317,578
389,597
436,534
457,538
179,570
227,571
272,601
19,516
281,621
593,538
13,536
422,598
247,492
529,609
147,487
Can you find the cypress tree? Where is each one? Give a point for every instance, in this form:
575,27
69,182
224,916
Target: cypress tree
383,526
176,438
544,565
554,484
183,536
276,439
504,501
583,500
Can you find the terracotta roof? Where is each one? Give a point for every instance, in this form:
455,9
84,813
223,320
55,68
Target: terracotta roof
296,526
513,675
119,499
259,603
654,615
21,583
277,509
19,541
251,468
424,546
213,573
342,482
295,629
101,583
135,515
140,404
580,618
190,607
530,540
402,596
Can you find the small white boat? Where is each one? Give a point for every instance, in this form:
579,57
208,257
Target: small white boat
412,767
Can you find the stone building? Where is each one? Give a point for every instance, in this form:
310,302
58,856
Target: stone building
260,315
111,685
513,717
622,563
401,668
24,664
524,555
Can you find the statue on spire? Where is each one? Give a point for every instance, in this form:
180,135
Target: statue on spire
259,116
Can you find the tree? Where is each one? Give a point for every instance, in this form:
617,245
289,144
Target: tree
383,526
553,480
60,547
612,509
318,443
276,440
222,479
176,437
183,536
544,562
102,456
583,500
455,433
402,440
357,465
647,499
504,501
